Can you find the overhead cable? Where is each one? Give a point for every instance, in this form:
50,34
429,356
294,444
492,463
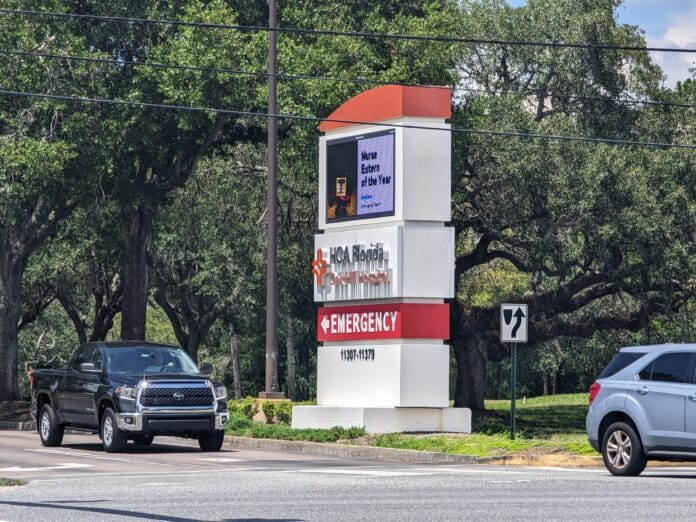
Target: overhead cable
352,34
307,77
458,130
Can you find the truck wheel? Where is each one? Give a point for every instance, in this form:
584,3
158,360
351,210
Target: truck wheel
113,439
211,440
622,451
143,440
50,431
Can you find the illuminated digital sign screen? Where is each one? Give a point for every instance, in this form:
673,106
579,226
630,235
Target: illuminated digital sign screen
360,177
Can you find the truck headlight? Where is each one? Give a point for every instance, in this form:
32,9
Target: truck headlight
220,392
128,393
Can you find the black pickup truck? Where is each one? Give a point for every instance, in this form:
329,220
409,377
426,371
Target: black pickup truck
129,391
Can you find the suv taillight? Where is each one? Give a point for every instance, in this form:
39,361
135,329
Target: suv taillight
594,390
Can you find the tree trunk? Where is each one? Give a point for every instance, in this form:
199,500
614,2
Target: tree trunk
236,366
10,284
107,303
193,340
290,346
470,354
140,222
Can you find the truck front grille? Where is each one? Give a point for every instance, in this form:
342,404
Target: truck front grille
176,397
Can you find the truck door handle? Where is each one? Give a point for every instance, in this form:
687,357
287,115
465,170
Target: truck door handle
643,390
692,397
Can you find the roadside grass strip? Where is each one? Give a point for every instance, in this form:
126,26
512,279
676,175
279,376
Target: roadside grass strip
545,426
12,482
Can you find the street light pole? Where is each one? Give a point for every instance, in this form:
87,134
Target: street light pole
271,389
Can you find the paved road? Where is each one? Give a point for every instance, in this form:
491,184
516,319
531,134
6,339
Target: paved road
174,481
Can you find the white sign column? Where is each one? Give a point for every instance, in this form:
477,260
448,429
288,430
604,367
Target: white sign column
384,265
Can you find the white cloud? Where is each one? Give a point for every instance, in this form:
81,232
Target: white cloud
681,33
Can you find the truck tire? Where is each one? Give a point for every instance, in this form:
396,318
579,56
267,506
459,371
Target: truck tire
50,431
113,439
622,450
211,440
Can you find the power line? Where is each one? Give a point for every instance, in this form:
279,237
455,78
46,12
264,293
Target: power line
362,81
155,21
459,130
326,32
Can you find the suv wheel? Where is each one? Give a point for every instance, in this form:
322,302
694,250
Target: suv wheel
113,439
211,440
50,431
622,450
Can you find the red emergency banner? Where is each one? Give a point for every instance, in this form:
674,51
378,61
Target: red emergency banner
383,321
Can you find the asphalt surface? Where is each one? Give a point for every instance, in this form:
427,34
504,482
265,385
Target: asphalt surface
174,481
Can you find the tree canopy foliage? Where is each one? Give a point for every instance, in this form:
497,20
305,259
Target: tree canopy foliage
122,216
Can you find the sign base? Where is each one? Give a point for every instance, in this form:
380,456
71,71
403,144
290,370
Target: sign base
384,420
402,375
273,396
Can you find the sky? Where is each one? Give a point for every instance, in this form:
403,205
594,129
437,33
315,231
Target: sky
666,23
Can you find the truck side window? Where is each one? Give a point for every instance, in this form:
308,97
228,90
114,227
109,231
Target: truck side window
81,357
96,358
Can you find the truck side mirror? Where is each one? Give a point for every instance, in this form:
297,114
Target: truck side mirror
88,368
206,368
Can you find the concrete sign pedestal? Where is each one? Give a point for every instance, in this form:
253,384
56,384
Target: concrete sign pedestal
384,266
384,420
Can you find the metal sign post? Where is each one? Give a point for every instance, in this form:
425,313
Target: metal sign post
513,329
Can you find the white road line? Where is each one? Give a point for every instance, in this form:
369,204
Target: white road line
61,478
102,457
222,460
66,465
368,472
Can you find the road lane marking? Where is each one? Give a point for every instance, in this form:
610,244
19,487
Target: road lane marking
66,465
103,457
368,472
222,460
131,475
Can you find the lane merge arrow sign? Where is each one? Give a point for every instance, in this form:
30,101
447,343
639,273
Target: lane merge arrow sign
513,323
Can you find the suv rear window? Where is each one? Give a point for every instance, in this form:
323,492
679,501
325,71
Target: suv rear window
619,362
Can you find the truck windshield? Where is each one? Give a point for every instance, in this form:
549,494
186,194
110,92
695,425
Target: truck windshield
144,360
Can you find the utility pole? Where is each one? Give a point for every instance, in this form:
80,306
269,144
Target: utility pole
271,390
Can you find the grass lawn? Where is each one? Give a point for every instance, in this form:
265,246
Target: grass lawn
544,425
12,482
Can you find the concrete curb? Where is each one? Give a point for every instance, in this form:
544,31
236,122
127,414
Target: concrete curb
19,426
399,455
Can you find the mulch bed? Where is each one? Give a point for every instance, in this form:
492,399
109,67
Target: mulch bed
14,411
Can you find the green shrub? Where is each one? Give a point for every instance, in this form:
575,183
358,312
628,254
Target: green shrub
238,421
246,407
283,412
268,408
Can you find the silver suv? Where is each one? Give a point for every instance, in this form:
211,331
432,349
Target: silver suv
643,406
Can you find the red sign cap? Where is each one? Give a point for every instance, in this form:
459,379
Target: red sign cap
391,101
